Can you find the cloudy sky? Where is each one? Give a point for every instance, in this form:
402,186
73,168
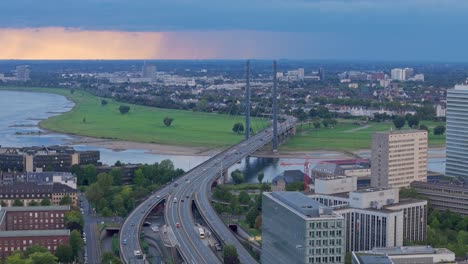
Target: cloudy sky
431,30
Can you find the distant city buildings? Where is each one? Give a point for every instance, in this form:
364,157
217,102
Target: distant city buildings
22,73
398,158
23,227
375,217
297,229
149,71
406,74
38,159
457,136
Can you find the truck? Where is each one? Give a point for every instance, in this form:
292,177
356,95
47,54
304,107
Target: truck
137,254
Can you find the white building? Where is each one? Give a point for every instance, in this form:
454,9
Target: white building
375,217
398,74
457,126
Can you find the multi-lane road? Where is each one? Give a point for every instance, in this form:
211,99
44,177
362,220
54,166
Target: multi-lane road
194,186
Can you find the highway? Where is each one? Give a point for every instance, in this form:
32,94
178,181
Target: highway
195,185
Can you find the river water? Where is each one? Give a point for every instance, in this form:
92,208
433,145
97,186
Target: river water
22,111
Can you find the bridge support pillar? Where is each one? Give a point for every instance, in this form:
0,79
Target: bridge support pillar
225,176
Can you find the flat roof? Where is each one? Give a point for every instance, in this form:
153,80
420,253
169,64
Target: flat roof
369,190
407,131
405,250
460,87
36,208
302,204
38,233
366,258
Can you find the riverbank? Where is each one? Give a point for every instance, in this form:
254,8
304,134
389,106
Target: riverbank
91,118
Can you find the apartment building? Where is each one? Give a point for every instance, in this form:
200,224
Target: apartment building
398,158
32,192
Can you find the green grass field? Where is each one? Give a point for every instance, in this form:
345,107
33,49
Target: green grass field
145,124
141,124
347,136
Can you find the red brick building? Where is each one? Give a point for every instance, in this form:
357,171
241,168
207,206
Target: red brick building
22,227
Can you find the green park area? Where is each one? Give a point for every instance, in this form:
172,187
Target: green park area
91,118
348,136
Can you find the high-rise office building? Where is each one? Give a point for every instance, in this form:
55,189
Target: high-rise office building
457,137
398,74
149,71
22,72
409,73
297,229
322,74
398,158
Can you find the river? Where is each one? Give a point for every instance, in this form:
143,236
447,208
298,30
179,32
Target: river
22,111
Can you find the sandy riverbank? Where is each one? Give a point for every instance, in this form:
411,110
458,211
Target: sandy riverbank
119,145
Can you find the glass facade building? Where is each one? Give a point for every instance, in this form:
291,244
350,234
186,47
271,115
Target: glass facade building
457,132
298,229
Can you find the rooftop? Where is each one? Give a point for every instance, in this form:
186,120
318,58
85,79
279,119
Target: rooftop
36,208
366,258
33,233
408,131
391,251
369,190
304,206
461,87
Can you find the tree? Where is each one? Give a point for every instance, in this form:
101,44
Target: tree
104,102
230,255
15,258
237,177
116,176
168,121
439,130
110,258
84,120
424,127
45,202
18,203
33,203
260,177
74,220
413,121
316,124
124,109
64,254
399,122
34,249
251,216
43,258
258,222
76,242
66,200
238,128
244,197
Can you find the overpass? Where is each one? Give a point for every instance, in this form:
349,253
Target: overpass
194,186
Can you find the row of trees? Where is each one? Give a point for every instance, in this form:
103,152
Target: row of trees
110,198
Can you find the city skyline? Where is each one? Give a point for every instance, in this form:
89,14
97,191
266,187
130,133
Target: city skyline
121,29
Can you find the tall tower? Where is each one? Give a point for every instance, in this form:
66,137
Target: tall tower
247,101
275,110
457,138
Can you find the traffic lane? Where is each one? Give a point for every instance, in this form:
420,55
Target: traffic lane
189,225
173,218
